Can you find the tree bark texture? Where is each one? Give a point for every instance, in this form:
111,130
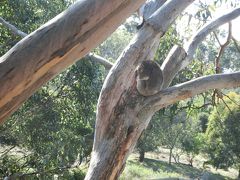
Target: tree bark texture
55,46
141,155
170,156
123,113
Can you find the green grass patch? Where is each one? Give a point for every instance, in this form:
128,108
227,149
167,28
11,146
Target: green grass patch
157,169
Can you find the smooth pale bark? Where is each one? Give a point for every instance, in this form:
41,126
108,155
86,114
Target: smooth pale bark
98,59
204,31
91,56
121,115
179,57
122,112
12,28
56,45
191,88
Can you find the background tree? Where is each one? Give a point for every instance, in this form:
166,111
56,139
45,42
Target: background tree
223,133
67,106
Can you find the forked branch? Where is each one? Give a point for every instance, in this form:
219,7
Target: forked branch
179,57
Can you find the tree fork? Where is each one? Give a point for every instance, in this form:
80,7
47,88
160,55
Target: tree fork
122,112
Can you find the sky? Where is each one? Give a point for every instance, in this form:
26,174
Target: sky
224,8
235,22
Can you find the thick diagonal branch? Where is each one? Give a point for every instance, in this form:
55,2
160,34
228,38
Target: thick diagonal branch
204,31
92,56
56,45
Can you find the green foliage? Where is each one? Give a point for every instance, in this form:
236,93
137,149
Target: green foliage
203,120
26,15
230,59
114,45
149,140
223,133
72,174
166,43
148,170
56,124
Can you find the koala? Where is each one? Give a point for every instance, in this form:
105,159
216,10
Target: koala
149,78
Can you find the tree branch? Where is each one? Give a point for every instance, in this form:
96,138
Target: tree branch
222,48
6,151
117,124
172,64
191,88
192,45
13,29
218,68
91,56
56,45
107,64
140,48
178,59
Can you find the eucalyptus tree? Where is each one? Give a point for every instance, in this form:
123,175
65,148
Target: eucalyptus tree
122,113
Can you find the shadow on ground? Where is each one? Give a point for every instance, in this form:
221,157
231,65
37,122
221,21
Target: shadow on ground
184,170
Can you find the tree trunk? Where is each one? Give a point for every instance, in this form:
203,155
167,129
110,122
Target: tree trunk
191,162
141,155
239,173
117,135
123,113
170,156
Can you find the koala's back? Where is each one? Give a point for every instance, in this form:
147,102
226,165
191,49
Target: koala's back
149,78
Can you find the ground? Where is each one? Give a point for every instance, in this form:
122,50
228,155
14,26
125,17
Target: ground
156,166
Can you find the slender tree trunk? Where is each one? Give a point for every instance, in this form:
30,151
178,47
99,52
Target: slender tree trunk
191,162
141,155
239,173
170,156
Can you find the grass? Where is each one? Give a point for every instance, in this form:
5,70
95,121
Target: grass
136,171
153,169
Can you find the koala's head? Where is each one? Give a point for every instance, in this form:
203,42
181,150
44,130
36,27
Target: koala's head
144,70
